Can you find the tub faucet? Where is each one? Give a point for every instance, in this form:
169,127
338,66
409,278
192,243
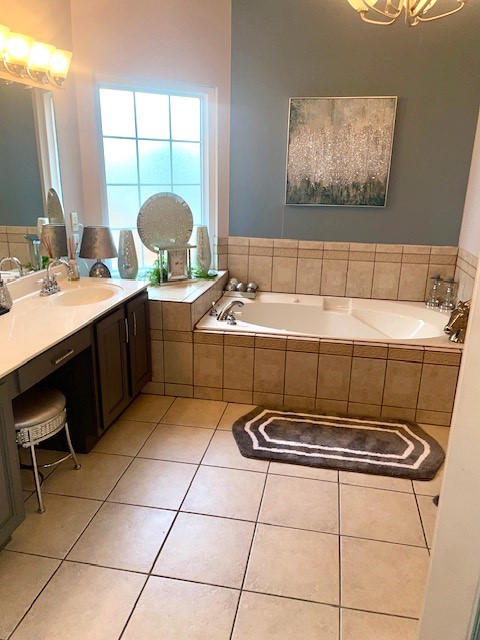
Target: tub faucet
456,327
15,261
50,284
227,310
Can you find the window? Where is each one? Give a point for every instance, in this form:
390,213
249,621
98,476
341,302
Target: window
153,141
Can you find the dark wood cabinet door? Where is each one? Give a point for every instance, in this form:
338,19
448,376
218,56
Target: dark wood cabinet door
12,510
139,343
112,337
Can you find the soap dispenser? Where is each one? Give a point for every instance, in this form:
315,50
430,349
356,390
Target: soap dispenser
5,298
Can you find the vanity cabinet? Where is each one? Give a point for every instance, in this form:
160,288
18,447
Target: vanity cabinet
11,500
123,351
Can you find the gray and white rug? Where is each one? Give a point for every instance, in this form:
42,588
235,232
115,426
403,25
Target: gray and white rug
384,447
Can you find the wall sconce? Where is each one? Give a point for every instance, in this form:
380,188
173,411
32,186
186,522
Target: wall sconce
25,59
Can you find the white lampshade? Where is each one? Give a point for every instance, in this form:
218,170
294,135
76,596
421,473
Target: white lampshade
60,63
40,56
4,35
18,48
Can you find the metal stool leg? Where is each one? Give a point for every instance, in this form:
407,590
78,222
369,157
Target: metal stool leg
70,447
41,508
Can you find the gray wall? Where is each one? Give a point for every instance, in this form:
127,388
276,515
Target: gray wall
20,189
286,48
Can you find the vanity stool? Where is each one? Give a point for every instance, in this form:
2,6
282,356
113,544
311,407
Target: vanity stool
39,414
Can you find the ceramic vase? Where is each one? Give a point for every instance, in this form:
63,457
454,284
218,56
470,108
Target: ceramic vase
127,255
203,254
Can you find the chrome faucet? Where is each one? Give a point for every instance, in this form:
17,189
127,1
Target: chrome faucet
15,261
50,284
456,327
227,314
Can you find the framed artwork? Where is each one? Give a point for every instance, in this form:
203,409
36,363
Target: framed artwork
339,151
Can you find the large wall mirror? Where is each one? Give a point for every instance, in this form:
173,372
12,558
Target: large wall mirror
28,154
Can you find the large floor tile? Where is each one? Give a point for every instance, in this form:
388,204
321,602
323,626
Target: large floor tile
125,437
383,577
428,512
123,536
149,408
294,563
302,503
22,577
195,413
206,549
176,443
225,492
44,456
223,452
441,434
232,413
81,602
97,477
154,483
302,471
359,625
262,617
54,532
429,487
390,516
376,482
177,610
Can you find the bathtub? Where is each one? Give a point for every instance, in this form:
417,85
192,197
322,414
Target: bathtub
334,318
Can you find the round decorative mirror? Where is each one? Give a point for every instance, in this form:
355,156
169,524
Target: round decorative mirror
164,220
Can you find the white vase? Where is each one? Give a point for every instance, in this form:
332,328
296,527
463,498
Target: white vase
127,255
203,253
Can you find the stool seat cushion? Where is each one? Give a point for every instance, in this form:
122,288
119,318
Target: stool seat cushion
36,406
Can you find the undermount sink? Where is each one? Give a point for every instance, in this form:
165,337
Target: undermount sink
86,295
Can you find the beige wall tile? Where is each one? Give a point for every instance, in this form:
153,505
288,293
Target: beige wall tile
402,382
370,350
442,357
271,400
207,393
413,280
261,242
338,347
333,377
239,340
155,311
334,277
179,390
362,256
238,368
309,274
269,374
361,247
298,403
386,279
437,388
361,409
208,365
335,255
403,353
301,374
397,413
281,252
155,388
331,406
313,245
237,395
367,380
444,250
283,243
310,253
388,257
156,334
336,246
260,271
178,360
157,361
238,267
206,337
307,345
260,251
176,316
270,342
433,417
415,258
417,248
238,240
178,336
284,274
19,250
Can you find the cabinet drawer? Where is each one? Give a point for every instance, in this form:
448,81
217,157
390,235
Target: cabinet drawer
49,361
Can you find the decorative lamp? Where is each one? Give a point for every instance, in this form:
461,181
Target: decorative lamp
385,12
97,243
59,65
54,239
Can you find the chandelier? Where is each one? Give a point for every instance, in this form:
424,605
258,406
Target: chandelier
25,60
387,11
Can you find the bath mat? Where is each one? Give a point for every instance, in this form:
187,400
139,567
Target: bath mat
393,448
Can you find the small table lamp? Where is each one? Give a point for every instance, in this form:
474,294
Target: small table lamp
97,243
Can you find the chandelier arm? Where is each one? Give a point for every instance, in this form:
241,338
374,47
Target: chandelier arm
370,21
385,14
442,15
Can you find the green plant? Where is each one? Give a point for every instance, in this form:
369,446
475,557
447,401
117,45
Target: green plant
155,273
204,275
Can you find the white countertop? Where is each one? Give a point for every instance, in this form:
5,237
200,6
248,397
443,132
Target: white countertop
37,323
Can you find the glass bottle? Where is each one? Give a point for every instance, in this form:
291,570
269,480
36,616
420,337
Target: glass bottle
433,300
450,295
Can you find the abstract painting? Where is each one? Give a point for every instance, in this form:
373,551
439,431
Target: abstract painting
339,151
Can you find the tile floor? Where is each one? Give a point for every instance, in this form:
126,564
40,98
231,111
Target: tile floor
168,533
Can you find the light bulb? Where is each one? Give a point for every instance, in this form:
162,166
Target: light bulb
60,63
40,56
18,48
4,35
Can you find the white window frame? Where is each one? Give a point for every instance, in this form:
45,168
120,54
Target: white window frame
208,136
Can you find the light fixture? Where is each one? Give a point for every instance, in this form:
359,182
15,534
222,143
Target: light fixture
387,11
97,243
23,59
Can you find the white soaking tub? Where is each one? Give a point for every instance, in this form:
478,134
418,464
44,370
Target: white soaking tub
335,318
